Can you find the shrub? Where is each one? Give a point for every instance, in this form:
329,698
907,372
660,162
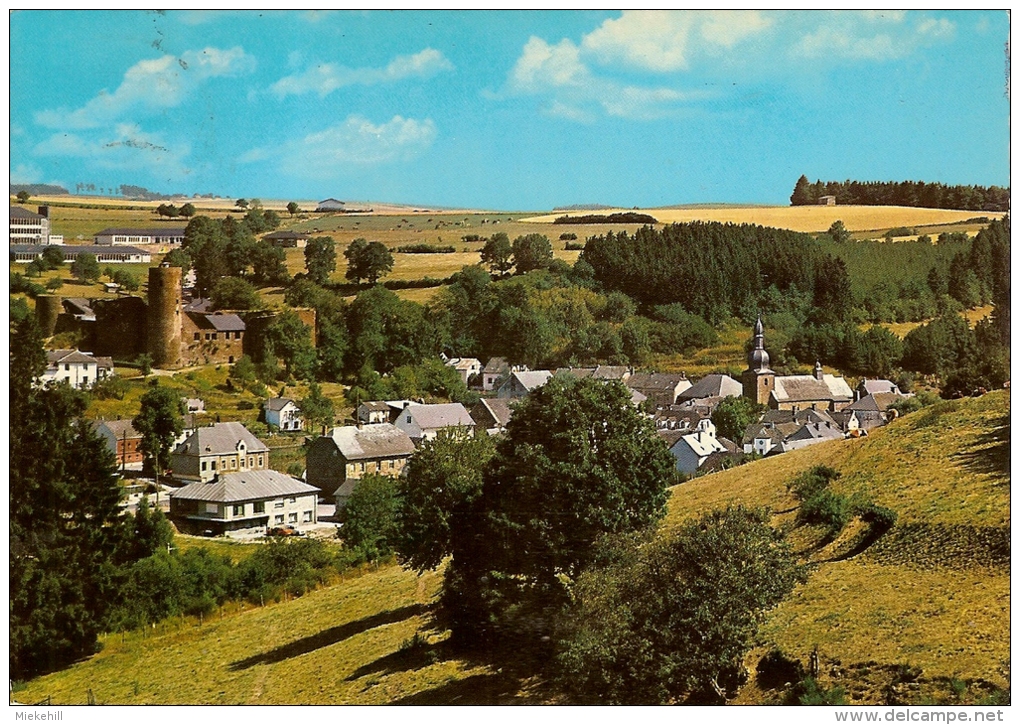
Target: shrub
808,692
568,236
776,670
426,249
827,509
573,246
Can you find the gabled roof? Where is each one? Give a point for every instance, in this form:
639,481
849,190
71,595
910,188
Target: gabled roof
670,436
18,213
579,373
278,404
78,306
877,386
496,365
105,363
376,406
761,431
815,431
876,402
220,438
442,415
801,416
245,486
225,322
199,304
68,357
463,363
657,382
794,388
531,379
713,386
500,409
702,444
610,372
119,428
377,440
286,235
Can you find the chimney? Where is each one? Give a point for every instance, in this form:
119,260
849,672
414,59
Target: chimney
818,370
44,211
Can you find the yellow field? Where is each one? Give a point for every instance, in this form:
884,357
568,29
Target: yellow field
802,218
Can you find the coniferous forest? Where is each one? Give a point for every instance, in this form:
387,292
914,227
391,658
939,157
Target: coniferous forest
902,193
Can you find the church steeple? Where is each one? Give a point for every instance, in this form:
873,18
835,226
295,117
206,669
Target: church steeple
758,380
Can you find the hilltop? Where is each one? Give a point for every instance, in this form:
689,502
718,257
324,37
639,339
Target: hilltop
918,615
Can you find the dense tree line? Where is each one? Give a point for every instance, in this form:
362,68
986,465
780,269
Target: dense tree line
717,270
626,217
902,193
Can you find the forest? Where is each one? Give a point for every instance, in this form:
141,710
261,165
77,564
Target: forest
902,193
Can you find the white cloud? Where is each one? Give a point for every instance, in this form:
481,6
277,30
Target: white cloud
858,36
355,142
327,77
152,84
665,40
542,66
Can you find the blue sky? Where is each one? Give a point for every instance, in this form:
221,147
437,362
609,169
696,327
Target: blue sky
517,110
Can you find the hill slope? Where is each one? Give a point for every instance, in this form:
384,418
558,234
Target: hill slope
926,603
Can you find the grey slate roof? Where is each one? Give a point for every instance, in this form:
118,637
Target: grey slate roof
878,402
376,406
120,428
496,365
655,382
72,250
792,388
377,440
245,486
225,322
712,386
278,403
61,357
18,213
499,408
441,415
220,438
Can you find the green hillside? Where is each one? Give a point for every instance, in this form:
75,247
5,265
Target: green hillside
922,615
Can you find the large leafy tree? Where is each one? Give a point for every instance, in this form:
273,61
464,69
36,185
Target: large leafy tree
320,258
85,268
732,416
369,518
532,251
438,488
367,260
65,518
317,408
498,254
159,421
234,293
675,617
578,461
291,340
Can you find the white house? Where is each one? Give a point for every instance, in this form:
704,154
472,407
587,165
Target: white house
466,367
284,413
248,501
27,227
374,411
691,450
78,369
423,422
162,235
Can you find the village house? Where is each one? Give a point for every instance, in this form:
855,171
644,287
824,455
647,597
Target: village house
519,384
77,369
243,501
194,405
24,253
284,413
121,439
716,386
217,449
285,239
492,414
496,372
338,460
785,430
466,367
870,387
875,409
374,411
678,417
423,422
691,450
662,389
216,337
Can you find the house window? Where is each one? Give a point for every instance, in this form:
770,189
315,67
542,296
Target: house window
204,464
292,517
292,500
214,336
67,366
213,465
279,519
408,419
198,335
207,336
259,507
239,509
277,504
362,466
307,517
251,461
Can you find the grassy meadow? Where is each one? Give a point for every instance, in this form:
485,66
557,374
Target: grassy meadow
803,218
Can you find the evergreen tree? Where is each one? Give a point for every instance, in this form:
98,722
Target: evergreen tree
65,518
801,192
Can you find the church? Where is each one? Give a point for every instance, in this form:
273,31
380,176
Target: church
819,391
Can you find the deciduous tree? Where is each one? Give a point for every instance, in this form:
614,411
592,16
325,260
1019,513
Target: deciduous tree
159,421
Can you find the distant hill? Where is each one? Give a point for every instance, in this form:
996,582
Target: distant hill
38,189
583,207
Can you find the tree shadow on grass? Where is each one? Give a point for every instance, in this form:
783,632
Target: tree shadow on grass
327,637
990,452
492,689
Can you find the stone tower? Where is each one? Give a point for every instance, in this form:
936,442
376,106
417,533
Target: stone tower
47,310
759,380
164,316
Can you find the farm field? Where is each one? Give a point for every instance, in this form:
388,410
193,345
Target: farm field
801,218
927,603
